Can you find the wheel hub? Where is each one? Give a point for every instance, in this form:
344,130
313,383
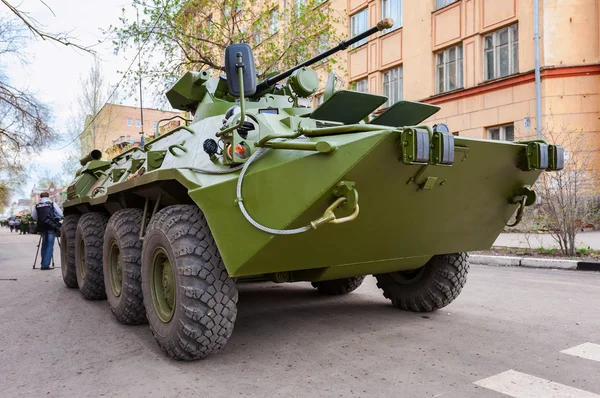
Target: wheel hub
82,259
115,269
162,285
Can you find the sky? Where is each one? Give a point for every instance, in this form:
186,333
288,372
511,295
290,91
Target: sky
53,71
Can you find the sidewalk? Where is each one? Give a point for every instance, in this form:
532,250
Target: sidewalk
534,241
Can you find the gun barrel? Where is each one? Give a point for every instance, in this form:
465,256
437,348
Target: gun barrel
385,23
94,155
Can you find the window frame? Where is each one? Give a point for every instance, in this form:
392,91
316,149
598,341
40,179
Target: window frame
273,21
512,45
444,3
459,64
400,85
385,13
501,128
366,27
356,83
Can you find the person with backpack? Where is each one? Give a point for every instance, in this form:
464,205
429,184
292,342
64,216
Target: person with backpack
46,213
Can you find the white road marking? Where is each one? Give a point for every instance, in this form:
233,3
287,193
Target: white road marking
585,350
521,385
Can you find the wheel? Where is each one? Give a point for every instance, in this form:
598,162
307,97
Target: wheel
67,250
429,288
189,297
89,239
339,286
122,254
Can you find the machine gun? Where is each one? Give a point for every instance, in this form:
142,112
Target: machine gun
269,82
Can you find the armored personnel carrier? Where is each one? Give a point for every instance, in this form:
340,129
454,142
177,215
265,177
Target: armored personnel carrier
258,186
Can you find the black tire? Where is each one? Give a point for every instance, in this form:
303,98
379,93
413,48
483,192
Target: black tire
429,288
89,239
339,286
199,305
124,287
67,250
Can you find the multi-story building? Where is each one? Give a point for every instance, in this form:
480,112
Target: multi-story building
475,59
118,126
57,195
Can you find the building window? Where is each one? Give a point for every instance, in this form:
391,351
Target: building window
361,85
501,53
299,5
392,9
318,100
449,69
443,3
273,21
392,86
155,125
129,121
502,133
359,22
257,35
137,123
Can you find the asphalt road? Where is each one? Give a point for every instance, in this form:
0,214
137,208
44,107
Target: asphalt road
505,333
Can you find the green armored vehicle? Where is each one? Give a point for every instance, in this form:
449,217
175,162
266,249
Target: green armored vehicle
258,186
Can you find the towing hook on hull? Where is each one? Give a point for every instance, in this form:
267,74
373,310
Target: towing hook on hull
524,196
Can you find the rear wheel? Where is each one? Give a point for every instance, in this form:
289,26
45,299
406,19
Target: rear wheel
339,286
67,250
429,288
89,240
123,266
189,297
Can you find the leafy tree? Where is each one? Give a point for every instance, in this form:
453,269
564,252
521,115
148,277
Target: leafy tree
569,197
24,120
187,35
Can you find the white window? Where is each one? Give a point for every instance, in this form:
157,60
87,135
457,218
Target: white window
392,9
319,99
257,36
299,5
502,133
137,123
443,3
361,85
322,44
449,69
273,21
154,125
501,53
392,86
359,22
129,121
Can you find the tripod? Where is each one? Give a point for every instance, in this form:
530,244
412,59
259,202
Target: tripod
37,252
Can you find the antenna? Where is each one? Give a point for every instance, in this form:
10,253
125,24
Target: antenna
142,140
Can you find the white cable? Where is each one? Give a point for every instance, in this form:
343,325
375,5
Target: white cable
240,200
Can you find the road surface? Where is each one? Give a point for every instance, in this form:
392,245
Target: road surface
521,332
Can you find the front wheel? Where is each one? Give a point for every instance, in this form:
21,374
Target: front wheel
189,297
429,288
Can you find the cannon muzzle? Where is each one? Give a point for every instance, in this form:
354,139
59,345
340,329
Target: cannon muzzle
94,155
386,23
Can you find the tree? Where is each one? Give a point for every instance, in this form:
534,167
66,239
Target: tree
193,34
24,120
569,197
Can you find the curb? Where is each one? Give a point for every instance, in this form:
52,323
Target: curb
509,261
